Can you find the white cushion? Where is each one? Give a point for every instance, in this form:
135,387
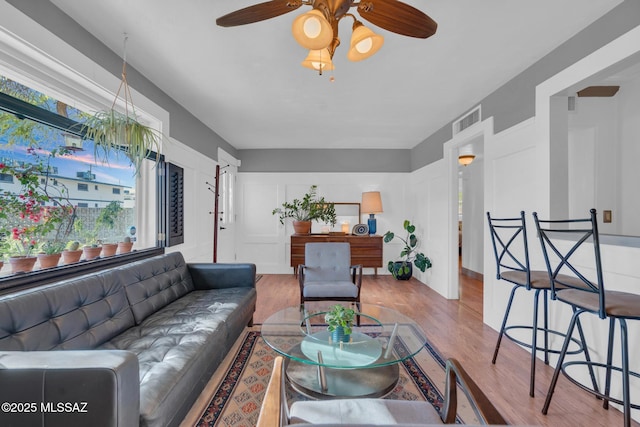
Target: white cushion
364,411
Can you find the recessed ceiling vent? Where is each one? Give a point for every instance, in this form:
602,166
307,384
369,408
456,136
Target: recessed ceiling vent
467,120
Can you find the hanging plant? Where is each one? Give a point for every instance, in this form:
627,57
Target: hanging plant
116,132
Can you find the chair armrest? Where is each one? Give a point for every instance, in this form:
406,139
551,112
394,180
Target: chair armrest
218,276
273,412
486,412
65,388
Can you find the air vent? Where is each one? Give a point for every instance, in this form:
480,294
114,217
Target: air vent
571,103
467,120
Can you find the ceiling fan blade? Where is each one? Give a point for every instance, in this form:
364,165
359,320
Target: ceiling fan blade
398,17
258,12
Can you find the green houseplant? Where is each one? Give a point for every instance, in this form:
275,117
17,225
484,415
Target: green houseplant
303,211
115,132
340,322
402,270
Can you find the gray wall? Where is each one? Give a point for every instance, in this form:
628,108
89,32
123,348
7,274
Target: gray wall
345,160
185,127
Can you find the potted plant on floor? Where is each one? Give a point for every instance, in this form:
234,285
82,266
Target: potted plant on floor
340,322
303,211
402,270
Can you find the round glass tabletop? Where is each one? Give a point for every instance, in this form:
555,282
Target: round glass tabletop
381,336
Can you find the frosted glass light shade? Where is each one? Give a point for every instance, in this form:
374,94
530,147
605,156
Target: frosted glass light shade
466,159
312,30
364,43
319,60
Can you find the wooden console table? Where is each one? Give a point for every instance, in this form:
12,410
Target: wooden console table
365,250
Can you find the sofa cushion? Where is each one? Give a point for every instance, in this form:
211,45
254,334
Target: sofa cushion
153,283
177,348
75,314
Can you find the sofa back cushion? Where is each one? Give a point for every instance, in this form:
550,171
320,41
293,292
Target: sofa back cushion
75,314
153,283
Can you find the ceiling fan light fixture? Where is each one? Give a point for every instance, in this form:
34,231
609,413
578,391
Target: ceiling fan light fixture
312,30
364,42
319,60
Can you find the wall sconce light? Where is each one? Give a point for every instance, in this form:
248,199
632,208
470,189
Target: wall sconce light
466,159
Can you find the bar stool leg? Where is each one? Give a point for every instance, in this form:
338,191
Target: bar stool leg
563,353
587,356
504,324
534,341
607,387
625,373
546,327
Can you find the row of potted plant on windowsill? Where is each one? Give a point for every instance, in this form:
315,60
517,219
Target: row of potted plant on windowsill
51,253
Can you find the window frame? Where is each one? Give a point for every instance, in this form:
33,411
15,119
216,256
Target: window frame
22,109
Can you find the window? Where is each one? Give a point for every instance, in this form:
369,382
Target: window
64,175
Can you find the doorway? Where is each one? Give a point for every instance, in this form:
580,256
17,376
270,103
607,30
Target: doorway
467,210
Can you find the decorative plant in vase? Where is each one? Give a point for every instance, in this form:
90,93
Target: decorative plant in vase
107,220
303,211
340,322
125,245
91,248
71,253
50,252
116,132
402,270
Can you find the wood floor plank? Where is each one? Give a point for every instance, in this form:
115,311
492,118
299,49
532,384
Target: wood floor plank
456,329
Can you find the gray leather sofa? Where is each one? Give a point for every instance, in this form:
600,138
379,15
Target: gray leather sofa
127,346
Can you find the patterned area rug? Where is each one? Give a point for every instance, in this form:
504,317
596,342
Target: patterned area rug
237,398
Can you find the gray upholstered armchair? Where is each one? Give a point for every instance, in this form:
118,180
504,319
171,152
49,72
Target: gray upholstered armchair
327,273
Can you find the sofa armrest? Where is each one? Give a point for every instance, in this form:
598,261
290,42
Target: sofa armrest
219,276
68,388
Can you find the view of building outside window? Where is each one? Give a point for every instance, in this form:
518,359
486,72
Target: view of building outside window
54,195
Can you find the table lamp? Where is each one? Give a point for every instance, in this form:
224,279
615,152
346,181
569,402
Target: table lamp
371,204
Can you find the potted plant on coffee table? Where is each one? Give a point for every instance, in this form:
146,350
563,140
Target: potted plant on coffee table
303,211
340,322
402,270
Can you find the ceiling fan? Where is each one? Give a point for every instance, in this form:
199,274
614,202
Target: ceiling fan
317,30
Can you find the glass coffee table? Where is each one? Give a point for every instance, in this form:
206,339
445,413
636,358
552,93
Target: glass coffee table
366,366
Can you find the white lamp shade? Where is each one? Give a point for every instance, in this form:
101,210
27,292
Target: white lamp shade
371,202
312,30
364,43
319,60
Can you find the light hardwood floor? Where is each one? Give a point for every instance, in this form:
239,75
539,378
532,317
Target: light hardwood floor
456,329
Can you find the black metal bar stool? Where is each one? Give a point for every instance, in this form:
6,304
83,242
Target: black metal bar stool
509,238
586,296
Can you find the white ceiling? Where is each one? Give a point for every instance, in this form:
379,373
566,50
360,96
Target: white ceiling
246,83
